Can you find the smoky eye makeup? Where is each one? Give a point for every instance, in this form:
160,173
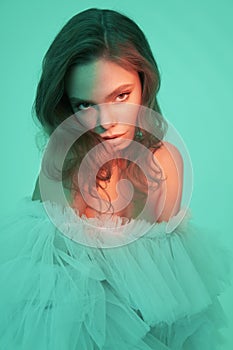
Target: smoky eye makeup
82,106
125,96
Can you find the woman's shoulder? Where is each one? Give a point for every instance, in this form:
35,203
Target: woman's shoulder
169,152
36,193
170,161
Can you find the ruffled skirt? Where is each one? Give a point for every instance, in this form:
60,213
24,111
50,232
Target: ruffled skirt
159,291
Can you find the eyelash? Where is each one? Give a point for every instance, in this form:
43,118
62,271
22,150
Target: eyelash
124,93
77,107
82,103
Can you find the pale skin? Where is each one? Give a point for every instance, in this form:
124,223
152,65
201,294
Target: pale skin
104,82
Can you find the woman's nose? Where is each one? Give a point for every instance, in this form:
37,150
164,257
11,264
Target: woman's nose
106,116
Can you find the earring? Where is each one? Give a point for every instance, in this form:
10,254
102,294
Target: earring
139,134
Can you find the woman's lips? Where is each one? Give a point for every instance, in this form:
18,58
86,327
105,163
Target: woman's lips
112,137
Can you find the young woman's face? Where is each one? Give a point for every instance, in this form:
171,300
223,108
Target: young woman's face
100,89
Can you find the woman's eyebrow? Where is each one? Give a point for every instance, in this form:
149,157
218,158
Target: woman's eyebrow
108,97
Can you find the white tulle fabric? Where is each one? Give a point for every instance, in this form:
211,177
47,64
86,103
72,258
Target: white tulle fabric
159,291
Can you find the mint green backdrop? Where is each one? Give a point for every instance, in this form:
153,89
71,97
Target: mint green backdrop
192,43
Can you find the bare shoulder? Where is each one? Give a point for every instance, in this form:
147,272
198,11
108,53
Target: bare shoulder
170,161
66,189
36,194
169,155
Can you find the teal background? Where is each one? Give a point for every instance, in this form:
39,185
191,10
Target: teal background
192,43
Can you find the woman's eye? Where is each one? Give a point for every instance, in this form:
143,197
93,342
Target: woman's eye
123,97
82,106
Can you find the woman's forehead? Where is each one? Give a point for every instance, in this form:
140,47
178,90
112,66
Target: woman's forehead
98,78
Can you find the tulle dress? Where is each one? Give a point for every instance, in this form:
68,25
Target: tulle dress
160,291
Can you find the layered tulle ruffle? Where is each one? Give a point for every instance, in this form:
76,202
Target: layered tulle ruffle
160,291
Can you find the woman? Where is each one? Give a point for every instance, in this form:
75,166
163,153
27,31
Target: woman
103,272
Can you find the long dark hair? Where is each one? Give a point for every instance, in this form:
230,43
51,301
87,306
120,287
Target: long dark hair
89,35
